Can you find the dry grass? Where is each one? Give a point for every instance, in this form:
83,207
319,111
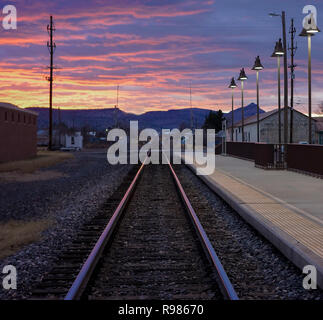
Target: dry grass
16,234
16,176
43,159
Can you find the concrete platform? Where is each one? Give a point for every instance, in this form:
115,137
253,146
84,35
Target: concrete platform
285,207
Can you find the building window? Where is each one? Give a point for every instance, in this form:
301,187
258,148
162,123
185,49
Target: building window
239,129
72,140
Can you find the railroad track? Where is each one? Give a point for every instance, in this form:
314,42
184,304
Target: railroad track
153,247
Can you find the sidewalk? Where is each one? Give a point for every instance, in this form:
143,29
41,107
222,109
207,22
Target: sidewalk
286,207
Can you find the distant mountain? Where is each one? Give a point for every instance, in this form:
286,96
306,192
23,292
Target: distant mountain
249,110
96,118
100,119
172,118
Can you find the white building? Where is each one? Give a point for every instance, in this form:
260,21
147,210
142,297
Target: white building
268,128
72,140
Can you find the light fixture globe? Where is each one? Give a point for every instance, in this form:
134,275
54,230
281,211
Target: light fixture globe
257,65
232,84
242,75
279,50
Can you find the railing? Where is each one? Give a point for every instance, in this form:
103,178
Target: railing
218,149
264,155
305,158
268,156
279,156
245,150
297,157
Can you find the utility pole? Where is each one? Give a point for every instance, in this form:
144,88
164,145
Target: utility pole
292,67
51,47
59,116
59,125
115,109
285,80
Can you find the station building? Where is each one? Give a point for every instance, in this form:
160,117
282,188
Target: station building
18,133
319,130
268,128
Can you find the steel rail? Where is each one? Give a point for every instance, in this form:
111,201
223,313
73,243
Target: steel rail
83,277
223,280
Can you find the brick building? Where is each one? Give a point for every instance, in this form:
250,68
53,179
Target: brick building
18,133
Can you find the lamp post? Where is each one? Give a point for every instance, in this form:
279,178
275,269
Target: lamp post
257,66
278,52
283,19
242,78
309,31
232,86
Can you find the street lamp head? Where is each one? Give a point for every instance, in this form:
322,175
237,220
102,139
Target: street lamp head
272,14
304,33
242,75
279,50
232,84
311,30
257,66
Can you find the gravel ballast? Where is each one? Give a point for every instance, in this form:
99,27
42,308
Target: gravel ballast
255,267
69,200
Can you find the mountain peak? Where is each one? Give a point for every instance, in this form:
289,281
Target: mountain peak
249,110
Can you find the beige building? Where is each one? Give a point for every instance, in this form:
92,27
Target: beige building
319,130
268,128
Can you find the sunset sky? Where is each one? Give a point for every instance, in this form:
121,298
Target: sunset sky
152,49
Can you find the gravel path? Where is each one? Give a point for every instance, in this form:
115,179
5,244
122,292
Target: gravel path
70,200
255,267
